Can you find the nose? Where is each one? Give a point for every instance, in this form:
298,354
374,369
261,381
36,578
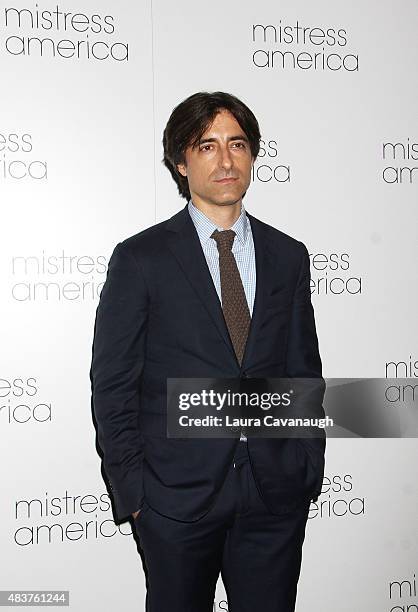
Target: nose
225,158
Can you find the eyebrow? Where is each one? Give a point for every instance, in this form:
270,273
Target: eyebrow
205,140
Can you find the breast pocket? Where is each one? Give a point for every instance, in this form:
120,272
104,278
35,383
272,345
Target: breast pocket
279,303
279,298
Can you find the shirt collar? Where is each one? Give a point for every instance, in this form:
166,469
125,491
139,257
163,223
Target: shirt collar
206,226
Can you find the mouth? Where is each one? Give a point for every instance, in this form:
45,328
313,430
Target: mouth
226,181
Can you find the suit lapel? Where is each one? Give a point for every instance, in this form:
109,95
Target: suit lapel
185,245
264,265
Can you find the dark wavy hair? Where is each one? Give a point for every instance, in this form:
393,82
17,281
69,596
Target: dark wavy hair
191,118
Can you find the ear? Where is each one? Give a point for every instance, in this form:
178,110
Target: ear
182,169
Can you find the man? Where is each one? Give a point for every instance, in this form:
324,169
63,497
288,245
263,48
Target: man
210,293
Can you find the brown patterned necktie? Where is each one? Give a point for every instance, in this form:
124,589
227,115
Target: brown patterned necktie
234,303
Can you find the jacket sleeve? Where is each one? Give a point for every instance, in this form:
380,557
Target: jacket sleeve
303,359
118,355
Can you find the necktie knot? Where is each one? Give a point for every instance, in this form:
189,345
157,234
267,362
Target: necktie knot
224,239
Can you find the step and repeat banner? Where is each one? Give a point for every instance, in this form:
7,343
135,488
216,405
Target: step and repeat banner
86,90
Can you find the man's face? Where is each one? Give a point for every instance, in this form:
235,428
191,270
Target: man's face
218,168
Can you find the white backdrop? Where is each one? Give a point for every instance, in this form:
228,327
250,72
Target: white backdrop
84,100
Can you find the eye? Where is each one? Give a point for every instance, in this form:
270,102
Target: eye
205,147
240,145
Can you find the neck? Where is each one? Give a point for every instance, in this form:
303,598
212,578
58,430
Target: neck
223,216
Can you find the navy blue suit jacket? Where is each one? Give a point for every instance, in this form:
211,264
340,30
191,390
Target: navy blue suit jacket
159,317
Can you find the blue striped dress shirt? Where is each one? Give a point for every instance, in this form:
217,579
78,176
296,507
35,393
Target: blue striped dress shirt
242,248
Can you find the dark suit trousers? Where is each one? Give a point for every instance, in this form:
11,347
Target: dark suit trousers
257,553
